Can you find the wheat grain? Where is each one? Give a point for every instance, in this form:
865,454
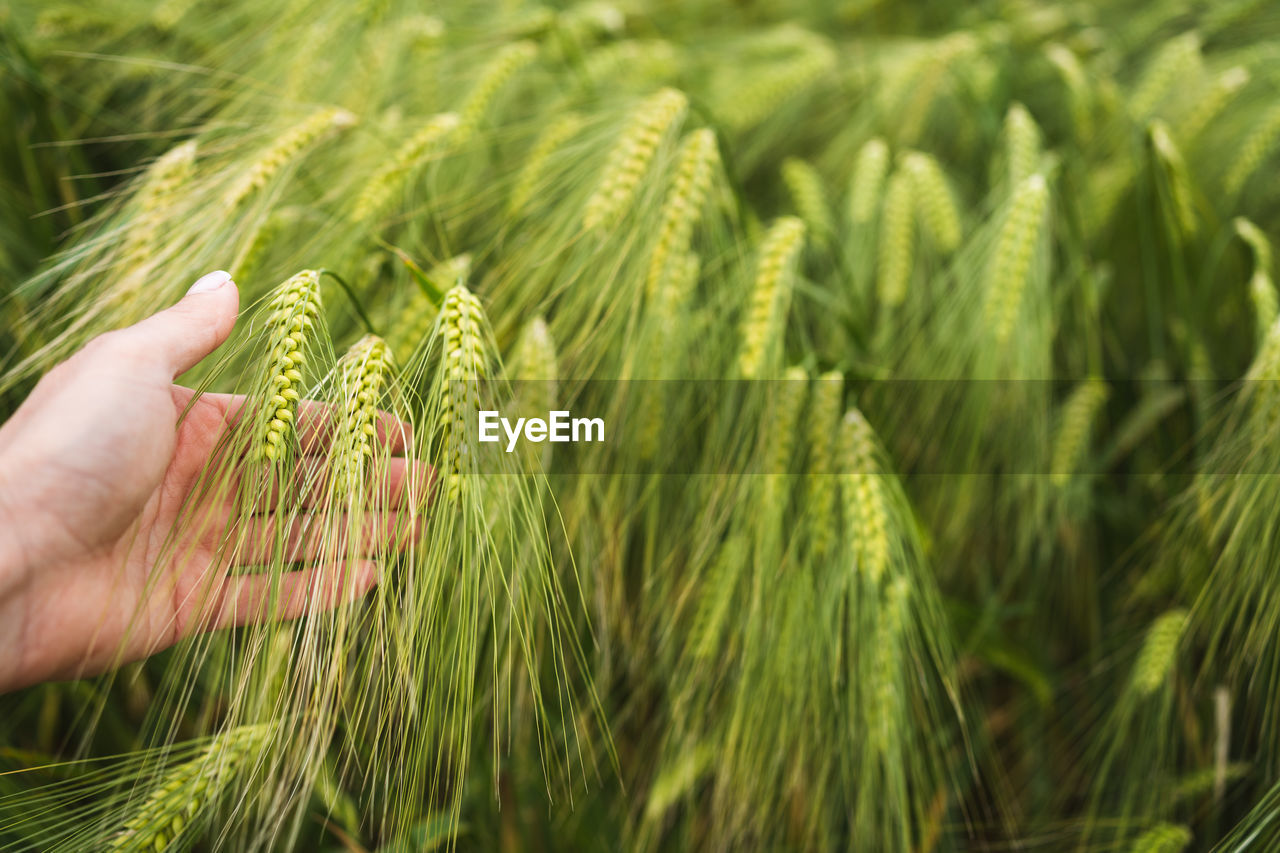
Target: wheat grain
1255,149
630,157
866,514
295,310
413,325
363,374
284,149
820,494
1075,425
1159,650
465,362
1022,145
1163,838
505,65
897,235
683,206
1216,97
804,185
183,791
533,173
770,294
869,172
433,139
1016,245
933,200
1176,58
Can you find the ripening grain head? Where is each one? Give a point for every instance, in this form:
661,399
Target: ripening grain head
631,155
770,295
295,312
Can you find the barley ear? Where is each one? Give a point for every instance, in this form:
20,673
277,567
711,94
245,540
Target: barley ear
412,325
809,199
293,143
682,208
631,156
869,172
897,236
865,505
770,295
1159,651
1015,249
186,790
432,140
534,170
935,204
820,497
465,362
363,375
294,314
1075,425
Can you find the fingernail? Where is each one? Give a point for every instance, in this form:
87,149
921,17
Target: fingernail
210,281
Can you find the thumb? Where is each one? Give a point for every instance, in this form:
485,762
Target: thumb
197,325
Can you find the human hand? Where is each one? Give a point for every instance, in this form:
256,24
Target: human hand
96,467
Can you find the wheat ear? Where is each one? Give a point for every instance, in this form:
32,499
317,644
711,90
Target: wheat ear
1079,97
885,709
827,402
1159,651
433,139
184,790
1257,146
534,170
1177,57
934,202
869,171
1179,177
292,143
763,93
162,186
363,375
866,514
504,66
413,326
1015,250
1022,144
295,310
1072,440
895,253
465,363
770,294
809,198
683,206
631,155
1262,289
1218,94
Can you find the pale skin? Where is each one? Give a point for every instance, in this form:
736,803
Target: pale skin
96,468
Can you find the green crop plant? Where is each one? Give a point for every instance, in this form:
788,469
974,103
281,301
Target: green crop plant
935,348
